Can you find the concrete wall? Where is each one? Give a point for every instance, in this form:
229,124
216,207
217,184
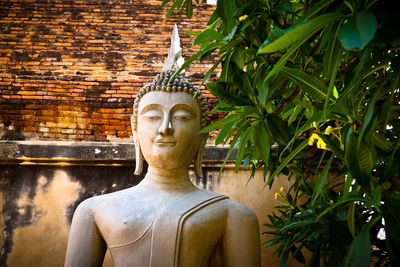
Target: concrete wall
42,183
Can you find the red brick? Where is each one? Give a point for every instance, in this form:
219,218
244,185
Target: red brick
93,78
114,128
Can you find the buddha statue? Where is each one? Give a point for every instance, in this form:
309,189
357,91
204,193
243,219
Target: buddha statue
165,220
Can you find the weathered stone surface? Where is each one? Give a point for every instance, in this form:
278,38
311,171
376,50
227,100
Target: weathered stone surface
66,150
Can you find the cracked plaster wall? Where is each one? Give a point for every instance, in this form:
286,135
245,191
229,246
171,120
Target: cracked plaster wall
37,199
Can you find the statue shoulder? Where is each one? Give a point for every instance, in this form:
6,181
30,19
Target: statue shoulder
235,209
87,206
105,199
239,211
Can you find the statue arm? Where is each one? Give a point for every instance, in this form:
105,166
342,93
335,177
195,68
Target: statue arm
242,239
86,247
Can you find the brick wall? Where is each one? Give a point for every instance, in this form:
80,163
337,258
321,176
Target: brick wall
69,70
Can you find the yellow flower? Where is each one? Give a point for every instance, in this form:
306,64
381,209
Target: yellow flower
311,140
277,195
243,17
321,144
281,189
328,130
298,213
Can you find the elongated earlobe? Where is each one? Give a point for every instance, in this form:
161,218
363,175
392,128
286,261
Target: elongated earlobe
138,157
138,151
198,159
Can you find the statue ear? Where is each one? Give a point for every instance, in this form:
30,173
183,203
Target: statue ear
138,152
198,159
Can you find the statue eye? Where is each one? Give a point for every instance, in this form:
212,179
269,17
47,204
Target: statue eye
182,115
152,115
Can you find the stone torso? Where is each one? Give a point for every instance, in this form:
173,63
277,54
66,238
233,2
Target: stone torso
128,230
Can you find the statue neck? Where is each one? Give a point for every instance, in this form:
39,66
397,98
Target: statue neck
167,179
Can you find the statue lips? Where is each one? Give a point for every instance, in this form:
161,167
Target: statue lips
165,142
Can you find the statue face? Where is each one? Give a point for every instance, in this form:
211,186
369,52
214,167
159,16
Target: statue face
167,129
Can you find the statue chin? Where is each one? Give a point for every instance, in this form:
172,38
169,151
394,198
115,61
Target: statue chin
169,157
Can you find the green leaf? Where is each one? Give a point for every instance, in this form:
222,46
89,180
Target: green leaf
369,115
376,197
232,146
208,35
241,149
214,17
296,225
337,56
311,84
321,180
220,123
314,10
226,10
359,253
238,57
189,9
261,139
231,34
263,92
297,110
350,219
358,31
222,107
300,34
285,259
380,141
228,93
176,4
282,61
210,71
278,128
225,132
165,2
247,86
370,69
196,56
226,69
192,33
285,162
333,50
359,159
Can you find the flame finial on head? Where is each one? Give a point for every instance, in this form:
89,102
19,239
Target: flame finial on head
174,59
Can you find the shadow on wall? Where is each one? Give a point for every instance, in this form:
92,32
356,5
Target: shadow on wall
38,203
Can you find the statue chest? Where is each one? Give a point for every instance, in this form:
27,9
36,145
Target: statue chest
134,233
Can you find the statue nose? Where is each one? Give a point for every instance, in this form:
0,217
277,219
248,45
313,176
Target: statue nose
166,127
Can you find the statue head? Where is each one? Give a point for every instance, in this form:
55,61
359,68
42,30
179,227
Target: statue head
166,119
